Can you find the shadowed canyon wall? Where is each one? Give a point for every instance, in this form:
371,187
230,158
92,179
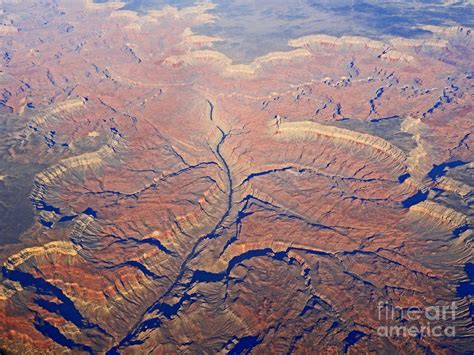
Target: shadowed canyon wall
161,198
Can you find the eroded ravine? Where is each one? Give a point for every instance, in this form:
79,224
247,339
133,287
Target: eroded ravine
153,319
189,204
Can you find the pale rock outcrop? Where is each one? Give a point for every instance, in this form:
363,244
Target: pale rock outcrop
444,215
308,130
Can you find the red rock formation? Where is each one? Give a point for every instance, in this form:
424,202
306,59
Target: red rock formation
186,204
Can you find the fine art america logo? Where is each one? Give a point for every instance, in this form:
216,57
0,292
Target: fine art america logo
427,321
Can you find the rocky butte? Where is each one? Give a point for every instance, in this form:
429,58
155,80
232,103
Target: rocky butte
159,198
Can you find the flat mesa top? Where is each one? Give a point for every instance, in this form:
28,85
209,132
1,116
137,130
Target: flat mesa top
236,177
248,29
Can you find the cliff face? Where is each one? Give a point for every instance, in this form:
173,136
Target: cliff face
182,203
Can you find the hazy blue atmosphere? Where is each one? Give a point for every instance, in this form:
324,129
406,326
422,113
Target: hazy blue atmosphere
252,28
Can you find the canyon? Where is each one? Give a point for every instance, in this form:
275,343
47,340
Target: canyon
161,198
